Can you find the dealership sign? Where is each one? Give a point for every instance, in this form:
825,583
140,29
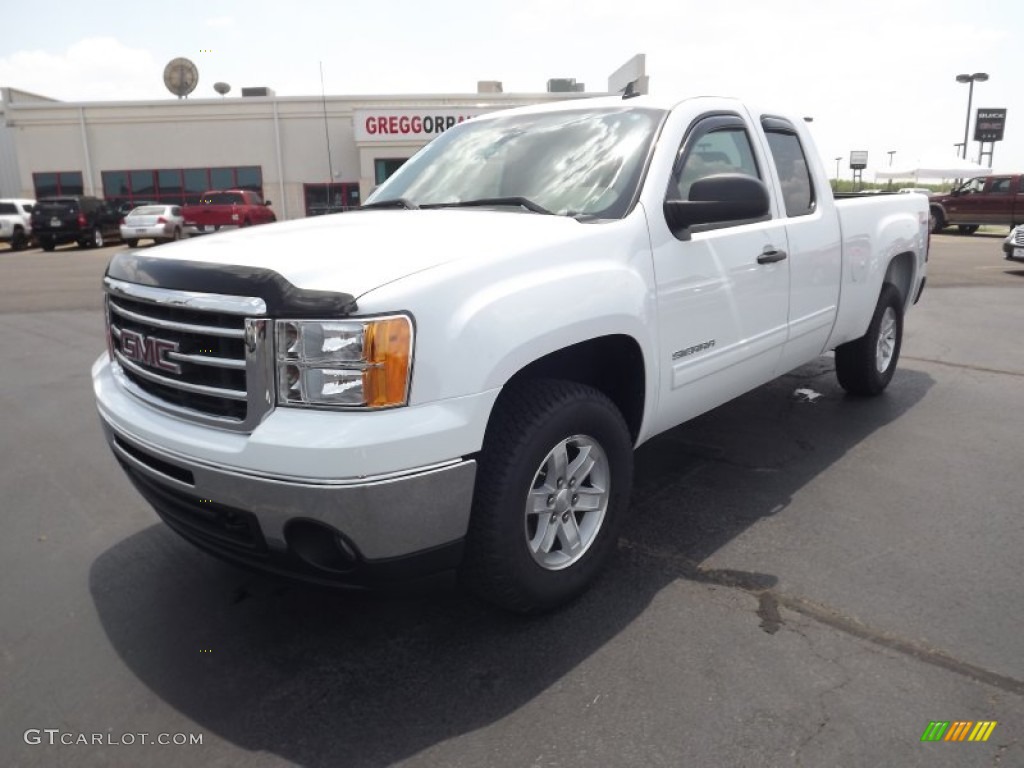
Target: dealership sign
409,125
858,160
989,124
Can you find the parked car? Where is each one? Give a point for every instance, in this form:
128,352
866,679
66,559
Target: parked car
81,219
984,200
221,209
16,222
455,376
1013,245
160,223
917,190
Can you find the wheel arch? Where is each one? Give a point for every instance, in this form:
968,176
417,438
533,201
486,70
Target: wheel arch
900,273
613,364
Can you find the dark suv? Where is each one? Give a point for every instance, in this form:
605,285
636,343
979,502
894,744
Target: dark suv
80,219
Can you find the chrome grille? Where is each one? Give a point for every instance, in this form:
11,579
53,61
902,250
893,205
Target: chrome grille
1018,236
202,357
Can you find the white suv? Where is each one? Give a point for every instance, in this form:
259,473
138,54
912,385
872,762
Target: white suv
16,222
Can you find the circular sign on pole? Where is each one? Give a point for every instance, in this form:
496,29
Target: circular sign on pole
181,77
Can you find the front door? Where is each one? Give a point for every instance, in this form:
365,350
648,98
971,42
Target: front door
722,314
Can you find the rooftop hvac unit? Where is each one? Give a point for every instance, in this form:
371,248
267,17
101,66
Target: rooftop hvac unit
564,85
261,90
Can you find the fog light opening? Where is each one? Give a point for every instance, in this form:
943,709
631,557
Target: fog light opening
320,546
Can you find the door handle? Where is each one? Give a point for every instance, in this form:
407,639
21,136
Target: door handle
770,255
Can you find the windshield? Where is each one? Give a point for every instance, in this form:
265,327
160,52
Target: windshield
148,210
578,162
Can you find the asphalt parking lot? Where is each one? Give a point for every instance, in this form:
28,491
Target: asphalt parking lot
804,581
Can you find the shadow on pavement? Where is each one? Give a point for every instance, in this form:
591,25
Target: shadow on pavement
323,678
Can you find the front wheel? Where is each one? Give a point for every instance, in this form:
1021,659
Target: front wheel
552,488
866,365
967,229
936,221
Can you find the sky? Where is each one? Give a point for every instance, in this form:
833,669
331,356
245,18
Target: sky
875,75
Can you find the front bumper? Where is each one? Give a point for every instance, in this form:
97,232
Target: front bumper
359,533
327,496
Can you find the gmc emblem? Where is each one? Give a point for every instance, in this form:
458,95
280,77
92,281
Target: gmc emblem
149,350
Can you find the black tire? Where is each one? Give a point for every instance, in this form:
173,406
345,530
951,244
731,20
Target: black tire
866,365
176,235
96,241
967,229
18,239
47,245
131,243
936,220
532,423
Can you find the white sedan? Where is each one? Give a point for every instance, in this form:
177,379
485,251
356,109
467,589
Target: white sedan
1013,246
159,223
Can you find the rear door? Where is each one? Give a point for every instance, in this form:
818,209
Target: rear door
815,252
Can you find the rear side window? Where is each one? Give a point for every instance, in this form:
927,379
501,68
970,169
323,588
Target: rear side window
7,208
793,171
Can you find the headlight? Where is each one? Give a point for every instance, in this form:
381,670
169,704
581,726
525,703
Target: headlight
345,363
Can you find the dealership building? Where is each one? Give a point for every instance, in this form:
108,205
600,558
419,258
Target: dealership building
306,154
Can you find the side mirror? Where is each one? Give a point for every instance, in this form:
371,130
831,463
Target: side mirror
266,202
716,199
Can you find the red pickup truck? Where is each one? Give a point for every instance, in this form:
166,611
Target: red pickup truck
221,209
984,200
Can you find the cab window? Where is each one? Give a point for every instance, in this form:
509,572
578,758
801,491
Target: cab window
792,169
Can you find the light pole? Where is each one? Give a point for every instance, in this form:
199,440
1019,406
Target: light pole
837,172
891,152
980,77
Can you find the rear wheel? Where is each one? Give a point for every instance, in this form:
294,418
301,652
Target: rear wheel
131,243
967,229
47,245
552,487
176,235
866,365
18,239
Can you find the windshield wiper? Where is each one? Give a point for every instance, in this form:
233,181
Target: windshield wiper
395,202
522,202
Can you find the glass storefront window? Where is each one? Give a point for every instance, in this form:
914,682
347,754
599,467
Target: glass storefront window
222,178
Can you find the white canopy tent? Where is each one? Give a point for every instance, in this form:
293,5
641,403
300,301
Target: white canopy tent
955,168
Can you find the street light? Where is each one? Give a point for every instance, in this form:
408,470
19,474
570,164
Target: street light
980,77
891,152
837,172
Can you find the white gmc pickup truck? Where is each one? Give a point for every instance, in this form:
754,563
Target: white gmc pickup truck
455,376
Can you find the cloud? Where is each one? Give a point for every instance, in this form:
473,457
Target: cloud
93,69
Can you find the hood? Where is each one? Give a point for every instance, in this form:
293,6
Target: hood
358,251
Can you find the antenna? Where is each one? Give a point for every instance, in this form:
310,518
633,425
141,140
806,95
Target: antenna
221,88
181,77
327,134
